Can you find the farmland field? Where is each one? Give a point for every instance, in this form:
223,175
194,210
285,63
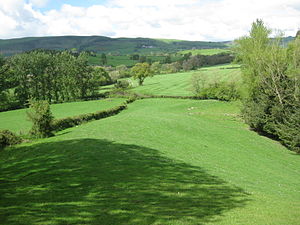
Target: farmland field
16,120
179,84
162,161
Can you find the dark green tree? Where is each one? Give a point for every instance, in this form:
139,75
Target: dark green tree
41,117
103,59
271,78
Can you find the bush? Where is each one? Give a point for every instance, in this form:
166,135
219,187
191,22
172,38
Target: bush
220,90
8,138
122,84
224,91
41,117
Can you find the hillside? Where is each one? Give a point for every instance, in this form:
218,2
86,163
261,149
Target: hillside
160,161
102,44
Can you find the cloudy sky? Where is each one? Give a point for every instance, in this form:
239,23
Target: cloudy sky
207,20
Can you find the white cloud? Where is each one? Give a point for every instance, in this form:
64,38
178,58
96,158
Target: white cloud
38,3
193,20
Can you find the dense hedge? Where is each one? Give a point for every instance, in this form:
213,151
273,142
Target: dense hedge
228,94
222,91
185,97
60,124
8,138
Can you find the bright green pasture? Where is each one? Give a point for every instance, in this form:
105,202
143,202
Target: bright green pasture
16,120
211,51
161,161
180,83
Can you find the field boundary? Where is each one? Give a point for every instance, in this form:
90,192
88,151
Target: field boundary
68,122
124,94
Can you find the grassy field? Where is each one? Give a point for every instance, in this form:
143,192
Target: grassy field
16,120
211,51
161,161
179,84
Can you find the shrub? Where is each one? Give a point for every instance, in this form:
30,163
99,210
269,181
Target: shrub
41,117
220,90
8,138
224,91
122,84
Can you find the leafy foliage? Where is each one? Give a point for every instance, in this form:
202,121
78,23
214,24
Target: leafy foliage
49,75
224,91
141,71
41,117
122,84
8,138
272,78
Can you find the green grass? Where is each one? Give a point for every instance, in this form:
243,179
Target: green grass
211,51
116,60
16,120
161,161
180,83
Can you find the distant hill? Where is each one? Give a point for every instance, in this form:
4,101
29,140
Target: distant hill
103,44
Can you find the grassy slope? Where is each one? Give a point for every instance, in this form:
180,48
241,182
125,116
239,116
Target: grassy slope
162,161
16,120
180,83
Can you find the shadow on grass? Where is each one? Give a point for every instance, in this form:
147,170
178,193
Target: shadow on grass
90,181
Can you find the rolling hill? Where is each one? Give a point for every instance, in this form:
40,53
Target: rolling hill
160,161
102,44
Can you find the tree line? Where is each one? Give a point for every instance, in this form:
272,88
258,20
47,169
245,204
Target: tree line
60,76
48,75
271,76
186,63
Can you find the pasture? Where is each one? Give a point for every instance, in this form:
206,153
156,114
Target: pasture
16,120
180,84
161,161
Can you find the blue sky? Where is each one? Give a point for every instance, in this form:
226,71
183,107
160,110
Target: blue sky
56,4
203,20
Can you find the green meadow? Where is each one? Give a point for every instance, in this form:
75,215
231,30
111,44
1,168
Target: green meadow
159,162
16,120
180,84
